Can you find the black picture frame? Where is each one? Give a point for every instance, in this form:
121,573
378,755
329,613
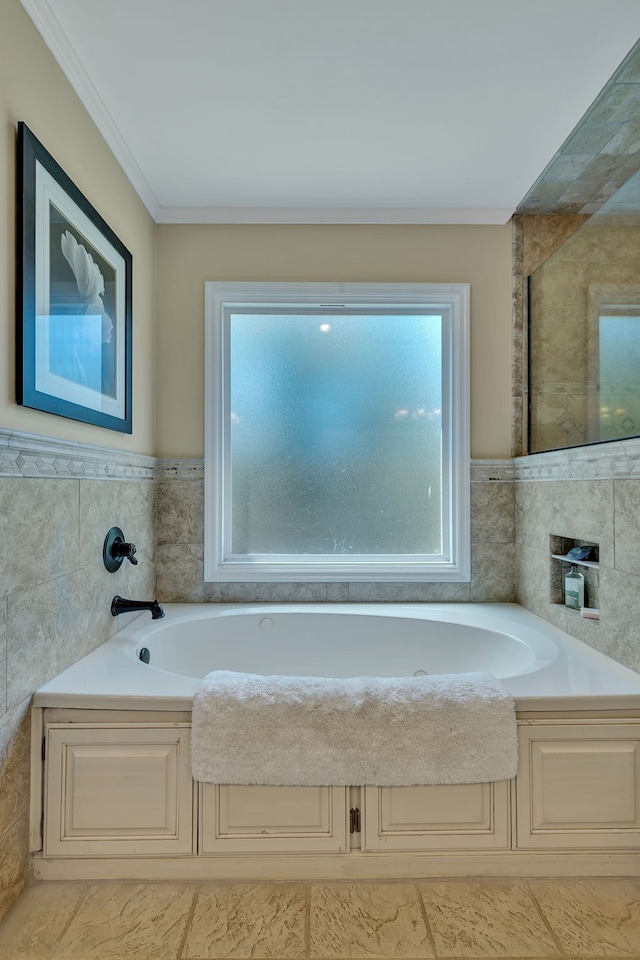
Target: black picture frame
73,298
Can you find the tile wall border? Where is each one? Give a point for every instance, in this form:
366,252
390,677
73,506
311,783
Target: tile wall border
601,461
193,469
487,470
180,468
31,455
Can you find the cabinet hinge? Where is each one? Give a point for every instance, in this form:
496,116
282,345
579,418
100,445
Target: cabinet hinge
354,820
43,751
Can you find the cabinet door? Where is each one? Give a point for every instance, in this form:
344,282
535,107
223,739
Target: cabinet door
579,785
118,790
471,816
256,819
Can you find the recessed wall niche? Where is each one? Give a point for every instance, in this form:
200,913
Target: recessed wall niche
560,564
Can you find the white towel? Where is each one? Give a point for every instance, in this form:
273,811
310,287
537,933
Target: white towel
386,731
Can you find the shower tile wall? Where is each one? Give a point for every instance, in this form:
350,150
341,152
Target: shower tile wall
180,560
604,511
597,265
535,238
55,593
590,493
599,155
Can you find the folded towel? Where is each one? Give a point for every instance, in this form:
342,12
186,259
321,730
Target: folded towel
386,731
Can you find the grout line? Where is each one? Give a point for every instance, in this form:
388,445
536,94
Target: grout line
4,672
613,531
544,919
432,941
187,926
307,923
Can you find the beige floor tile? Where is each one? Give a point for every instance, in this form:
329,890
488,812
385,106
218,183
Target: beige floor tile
593,918
127,921
479,918
368,920
38,919
245,920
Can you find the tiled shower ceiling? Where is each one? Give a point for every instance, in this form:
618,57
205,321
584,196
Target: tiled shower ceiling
600,155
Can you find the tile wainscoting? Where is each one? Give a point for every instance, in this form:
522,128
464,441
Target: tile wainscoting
57,502
180,554
589,493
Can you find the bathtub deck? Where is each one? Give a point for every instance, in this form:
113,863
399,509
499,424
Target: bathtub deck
578,712
579,679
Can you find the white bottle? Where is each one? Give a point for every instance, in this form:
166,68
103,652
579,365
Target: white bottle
574,589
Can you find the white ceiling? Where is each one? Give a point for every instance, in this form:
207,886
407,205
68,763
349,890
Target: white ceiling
340,110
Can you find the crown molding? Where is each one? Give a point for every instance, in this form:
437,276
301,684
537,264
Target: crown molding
481,216
57,41
31,455
48,26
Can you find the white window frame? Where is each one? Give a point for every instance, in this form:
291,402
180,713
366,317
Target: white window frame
455,564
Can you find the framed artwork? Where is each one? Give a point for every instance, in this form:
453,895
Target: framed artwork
73,299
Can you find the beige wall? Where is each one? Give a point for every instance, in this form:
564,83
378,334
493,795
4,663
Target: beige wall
34,89
189,255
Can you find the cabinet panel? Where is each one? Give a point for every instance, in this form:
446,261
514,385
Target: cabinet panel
579,786
273,819
118,791
470,815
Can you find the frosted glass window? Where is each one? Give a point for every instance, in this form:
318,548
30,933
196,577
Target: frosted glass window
330,435
336,434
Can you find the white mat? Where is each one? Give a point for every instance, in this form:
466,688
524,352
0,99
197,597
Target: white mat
389,731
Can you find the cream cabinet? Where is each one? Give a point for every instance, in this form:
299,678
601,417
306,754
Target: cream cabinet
117,789
255,819
578,784
461,816
110,787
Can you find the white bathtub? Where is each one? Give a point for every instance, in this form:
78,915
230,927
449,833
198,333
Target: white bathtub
534,660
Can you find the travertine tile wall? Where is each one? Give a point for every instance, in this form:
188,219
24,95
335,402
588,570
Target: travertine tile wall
56,505
180,533
534,239
591,494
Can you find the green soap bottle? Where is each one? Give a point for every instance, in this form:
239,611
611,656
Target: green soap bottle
574,589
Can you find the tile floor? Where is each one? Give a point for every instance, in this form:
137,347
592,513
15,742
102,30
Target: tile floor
594,919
